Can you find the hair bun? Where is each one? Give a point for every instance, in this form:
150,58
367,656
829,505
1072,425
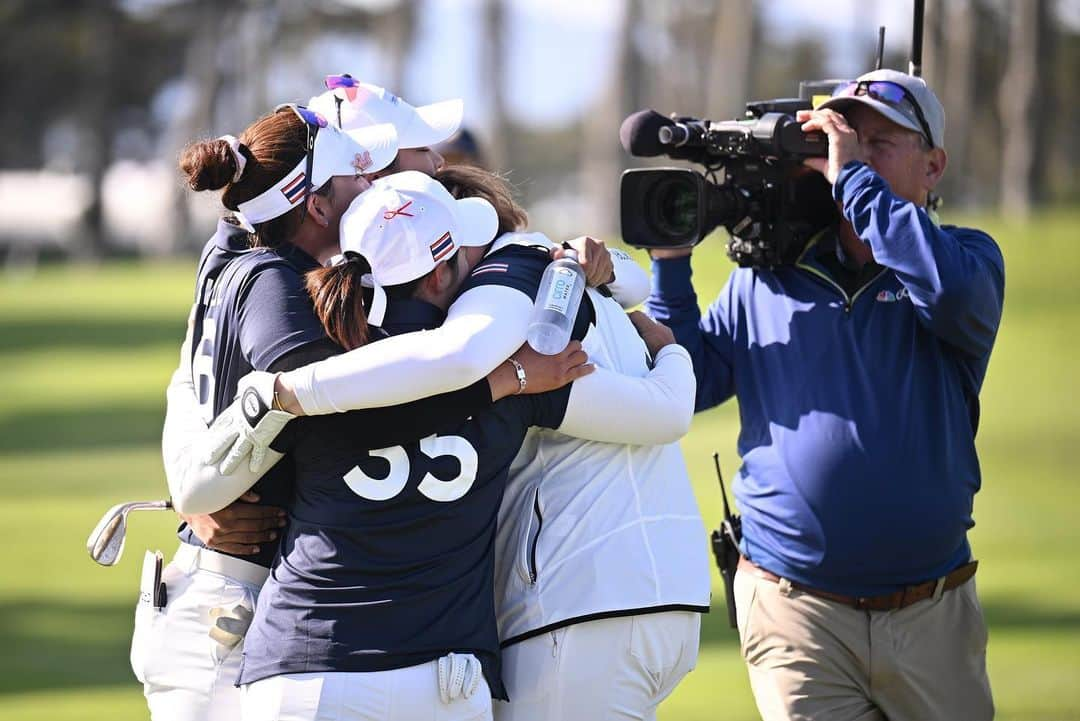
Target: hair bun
208,164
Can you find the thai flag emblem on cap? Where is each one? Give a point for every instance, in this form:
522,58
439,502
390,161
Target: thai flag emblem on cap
294,188
442,247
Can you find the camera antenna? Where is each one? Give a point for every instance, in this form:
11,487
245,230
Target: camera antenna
880,48
915,66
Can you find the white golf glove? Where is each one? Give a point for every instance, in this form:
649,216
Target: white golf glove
246,428
459,676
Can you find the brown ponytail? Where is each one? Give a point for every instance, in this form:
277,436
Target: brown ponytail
338,295
272,146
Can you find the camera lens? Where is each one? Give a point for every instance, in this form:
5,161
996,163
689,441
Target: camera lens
673,206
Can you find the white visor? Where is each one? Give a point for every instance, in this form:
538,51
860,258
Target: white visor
360,151
364,104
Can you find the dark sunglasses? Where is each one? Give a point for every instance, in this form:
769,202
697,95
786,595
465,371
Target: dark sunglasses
892,94
313,121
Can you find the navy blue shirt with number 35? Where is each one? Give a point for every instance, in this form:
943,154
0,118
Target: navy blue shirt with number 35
389,557
253,312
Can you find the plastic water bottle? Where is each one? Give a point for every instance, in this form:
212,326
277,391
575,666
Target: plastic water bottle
556,306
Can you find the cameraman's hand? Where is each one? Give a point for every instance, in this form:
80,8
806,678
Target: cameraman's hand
593,257
844,143
656,335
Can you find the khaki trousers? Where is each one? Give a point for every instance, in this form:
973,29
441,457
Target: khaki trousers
810,658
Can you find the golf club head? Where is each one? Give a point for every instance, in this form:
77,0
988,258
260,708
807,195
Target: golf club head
106,542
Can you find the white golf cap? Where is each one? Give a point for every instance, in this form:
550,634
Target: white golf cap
408,223
336,152
902,107
351,104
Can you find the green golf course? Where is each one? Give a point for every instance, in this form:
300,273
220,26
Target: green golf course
87,352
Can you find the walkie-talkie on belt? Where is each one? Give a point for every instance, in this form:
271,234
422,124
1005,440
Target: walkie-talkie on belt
725,546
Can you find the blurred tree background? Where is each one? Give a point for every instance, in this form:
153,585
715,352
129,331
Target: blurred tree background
97,234
102,94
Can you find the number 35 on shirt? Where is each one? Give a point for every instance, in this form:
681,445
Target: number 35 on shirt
434,446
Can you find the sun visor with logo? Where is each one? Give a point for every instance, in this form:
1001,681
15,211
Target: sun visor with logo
336,152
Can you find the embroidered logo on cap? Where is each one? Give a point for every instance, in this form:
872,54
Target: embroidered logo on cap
362,161
391,214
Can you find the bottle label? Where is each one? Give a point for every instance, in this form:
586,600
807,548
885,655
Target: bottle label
561,291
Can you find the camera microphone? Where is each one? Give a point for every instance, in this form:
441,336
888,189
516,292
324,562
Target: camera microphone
640,133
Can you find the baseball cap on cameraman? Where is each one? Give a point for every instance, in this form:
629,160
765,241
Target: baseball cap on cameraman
407,223
904,99
351,104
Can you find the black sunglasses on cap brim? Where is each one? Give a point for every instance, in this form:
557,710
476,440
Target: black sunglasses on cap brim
892,94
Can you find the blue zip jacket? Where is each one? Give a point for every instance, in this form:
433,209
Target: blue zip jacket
858,413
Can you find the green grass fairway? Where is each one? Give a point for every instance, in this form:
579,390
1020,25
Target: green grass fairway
87,353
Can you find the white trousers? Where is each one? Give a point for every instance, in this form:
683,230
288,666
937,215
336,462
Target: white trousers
402,694
186,674
616,668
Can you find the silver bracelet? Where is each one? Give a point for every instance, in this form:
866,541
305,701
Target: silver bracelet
519,370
